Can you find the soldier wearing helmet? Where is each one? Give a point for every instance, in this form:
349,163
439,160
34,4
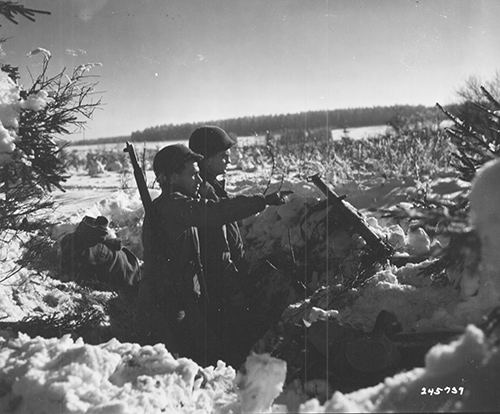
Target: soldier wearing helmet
173,297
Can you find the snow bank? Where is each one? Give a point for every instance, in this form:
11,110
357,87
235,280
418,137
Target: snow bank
62,375
283,229
26,293
457,377
416,303
276,230
66,376
287,228
124,211
419,303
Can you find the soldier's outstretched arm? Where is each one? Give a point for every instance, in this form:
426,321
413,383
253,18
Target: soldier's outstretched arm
203,212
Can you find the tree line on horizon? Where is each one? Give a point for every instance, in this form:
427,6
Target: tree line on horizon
283,124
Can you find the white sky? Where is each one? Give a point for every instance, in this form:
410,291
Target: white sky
174,61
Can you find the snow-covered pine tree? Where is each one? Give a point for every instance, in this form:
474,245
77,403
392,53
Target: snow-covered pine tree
32,121
476,132
476,135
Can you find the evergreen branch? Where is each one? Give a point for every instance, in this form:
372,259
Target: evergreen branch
490,97
460,124
11,10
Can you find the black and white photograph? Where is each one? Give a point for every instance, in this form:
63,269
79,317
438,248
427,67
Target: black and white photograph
249,206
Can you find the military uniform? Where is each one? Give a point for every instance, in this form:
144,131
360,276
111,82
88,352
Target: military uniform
90,254
174,298
233,235
221,247
222,251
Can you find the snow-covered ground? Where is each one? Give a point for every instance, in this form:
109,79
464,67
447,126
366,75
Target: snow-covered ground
361,132
62,375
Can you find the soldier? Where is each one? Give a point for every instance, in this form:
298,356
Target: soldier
221,247
214,144
233,290
91,254
173,297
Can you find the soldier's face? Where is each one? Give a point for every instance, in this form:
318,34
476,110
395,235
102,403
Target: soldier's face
217,164
188,180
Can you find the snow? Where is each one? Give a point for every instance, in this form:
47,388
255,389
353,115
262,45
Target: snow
418,304
9,101
86,67
485,202
316,314
64,375
6,144
419,242
11,106
469,362
9,114
40,50
361,132
37,101
61,375
260,382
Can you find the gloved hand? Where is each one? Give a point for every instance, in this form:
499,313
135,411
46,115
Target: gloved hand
277,198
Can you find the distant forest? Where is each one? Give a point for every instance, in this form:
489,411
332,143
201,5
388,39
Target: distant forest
285,123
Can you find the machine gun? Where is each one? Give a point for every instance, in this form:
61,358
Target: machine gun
379,248
139,178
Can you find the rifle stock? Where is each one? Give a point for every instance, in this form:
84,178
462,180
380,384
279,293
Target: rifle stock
139,178
378,246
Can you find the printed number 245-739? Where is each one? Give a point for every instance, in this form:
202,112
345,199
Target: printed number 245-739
441,390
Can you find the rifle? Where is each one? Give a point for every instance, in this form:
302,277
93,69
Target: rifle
139,178
379,247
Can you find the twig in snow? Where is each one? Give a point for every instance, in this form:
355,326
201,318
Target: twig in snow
273,166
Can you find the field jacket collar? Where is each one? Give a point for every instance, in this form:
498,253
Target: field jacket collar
218,185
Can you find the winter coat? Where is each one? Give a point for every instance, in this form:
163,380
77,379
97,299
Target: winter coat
233,235
90,254
173,298
221,248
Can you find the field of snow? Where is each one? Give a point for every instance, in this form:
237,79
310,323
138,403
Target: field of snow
119,147
361,132
66,375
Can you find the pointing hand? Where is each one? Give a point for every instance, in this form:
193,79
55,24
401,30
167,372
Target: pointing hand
277,198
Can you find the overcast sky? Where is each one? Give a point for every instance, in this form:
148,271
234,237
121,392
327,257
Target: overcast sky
174,61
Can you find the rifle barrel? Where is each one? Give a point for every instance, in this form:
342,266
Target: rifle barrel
139,178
